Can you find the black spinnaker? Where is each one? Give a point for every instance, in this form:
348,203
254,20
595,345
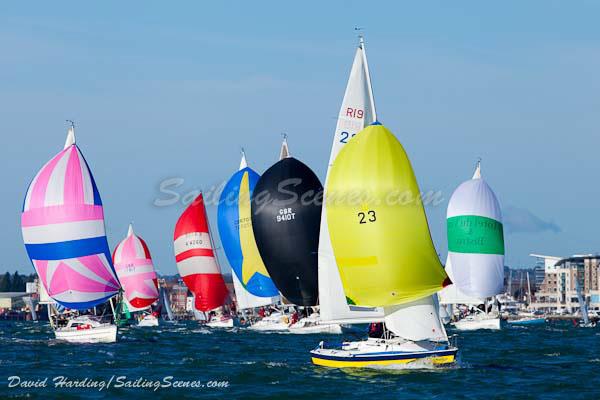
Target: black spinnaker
286,217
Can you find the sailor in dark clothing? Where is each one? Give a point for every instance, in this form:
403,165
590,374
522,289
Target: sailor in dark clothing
376,330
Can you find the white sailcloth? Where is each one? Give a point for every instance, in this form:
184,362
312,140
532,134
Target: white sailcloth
356,112
418,320
246,300
451,294
475,238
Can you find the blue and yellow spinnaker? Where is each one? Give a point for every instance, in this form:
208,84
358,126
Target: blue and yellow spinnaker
237,235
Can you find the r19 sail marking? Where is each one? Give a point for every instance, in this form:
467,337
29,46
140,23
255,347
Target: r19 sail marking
354,112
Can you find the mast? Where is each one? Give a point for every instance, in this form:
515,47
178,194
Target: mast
243,162
361,44
528,290
212,243
70,134
521,286
285,150
477,174
581,300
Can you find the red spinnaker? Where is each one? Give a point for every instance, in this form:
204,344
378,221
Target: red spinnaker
195,258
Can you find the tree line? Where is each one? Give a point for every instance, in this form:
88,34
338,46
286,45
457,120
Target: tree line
15,282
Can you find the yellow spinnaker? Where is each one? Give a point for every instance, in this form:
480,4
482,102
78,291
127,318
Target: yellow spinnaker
377,223
252,263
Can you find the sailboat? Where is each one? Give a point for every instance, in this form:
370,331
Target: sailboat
165,305
286,214
583,308
135,271
356,112
197,263
251,281
476,247
63,231
385,255
529,318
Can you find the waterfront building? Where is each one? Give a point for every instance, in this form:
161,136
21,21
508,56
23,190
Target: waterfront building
558,291
539,273
178,297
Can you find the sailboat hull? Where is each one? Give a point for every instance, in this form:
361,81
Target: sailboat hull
381,354
468,324
106,333
275,322
527,321
313,325
148,321
221,323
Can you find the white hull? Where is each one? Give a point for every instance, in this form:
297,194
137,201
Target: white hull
310,325
148,321
276,322
261,326
588,325
472,324
224,323
106,333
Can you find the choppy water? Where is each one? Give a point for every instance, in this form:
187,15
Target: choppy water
553,361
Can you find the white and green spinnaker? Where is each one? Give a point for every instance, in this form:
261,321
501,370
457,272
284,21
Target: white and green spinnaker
476,238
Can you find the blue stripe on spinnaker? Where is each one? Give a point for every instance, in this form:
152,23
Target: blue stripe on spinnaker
69,249
87,304
263,285
97,199
228,220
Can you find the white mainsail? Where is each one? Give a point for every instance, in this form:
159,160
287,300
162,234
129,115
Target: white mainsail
246,300
166,304
418,320
356,112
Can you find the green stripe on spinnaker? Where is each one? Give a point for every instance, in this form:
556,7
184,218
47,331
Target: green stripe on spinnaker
475,234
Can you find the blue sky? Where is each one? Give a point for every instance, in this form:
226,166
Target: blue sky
172,90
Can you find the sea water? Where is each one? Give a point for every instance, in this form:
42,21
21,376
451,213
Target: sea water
186,360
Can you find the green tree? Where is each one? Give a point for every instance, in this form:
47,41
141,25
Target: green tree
17,284
5,283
